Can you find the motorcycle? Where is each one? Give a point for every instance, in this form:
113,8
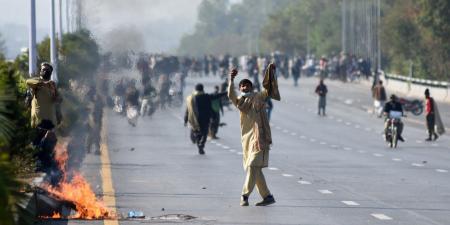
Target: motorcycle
392,131
413,106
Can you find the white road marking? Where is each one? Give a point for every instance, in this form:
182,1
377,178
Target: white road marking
312,140
351,203
303,137
347,149
381,216
349,101
397,159
357,126
362,151
339,120
419,142
225,147
286,175
348,123
417,164
218,144
232,150
304,182
441,171
273,168
323,143
293,133
378,155
325,192
285,131
213,142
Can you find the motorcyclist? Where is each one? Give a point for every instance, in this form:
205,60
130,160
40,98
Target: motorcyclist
391,108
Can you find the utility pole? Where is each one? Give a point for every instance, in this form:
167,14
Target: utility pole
53,53
32,40
67,16
60,33
344,25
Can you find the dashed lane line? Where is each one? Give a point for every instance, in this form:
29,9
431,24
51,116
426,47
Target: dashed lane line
441,171
350,203
325,192
397,159
381,216
417,165
304,182
273,168
286,175
378,155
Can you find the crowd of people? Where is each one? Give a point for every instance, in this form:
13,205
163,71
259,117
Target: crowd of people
161,85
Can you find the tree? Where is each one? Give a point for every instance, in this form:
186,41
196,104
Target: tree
2,48
318,21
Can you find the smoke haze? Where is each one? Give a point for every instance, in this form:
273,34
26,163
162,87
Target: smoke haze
140,25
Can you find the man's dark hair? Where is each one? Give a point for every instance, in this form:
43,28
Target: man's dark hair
245,81
393,97
427,92
199,87
48,65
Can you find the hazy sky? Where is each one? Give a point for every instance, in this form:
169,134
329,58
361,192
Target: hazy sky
156,25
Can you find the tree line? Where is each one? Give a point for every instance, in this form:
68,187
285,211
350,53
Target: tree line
411,32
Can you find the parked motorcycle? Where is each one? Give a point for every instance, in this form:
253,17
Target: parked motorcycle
414,106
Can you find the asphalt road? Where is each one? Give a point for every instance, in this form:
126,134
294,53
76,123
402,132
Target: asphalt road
333,170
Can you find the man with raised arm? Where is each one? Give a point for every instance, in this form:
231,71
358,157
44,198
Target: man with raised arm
255,131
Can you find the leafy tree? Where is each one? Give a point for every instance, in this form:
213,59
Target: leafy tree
229,28
2,48
315,20
80,54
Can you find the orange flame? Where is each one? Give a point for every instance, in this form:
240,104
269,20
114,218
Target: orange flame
77,191
56,215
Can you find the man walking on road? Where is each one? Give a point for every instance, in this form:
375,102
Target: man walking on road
255,131
198,114
321,91
379,98
432,117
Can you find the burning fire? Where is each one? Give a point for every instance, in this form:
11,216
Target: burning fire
77,191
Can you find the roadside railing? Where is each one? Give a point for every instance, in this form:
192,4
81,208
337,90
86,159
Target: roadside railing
424,82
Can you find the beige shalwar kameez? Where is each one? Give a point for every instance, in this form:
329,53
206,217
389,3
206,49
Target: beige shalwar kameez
43,105
255,132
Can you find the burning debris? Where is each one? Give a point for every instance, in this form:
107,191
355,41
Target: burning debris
76,191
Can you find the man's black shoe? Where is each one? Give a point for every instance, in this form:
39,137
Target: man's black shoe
428,139
435,137
400,138
267,201
201,151
244,200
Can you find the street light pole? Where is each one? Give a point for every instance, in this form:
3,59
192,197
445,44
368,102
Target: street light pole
32,40
53,54
60,33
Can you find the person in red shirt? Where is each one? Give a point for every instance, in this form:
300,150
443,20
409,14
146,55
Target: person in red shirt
430,116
